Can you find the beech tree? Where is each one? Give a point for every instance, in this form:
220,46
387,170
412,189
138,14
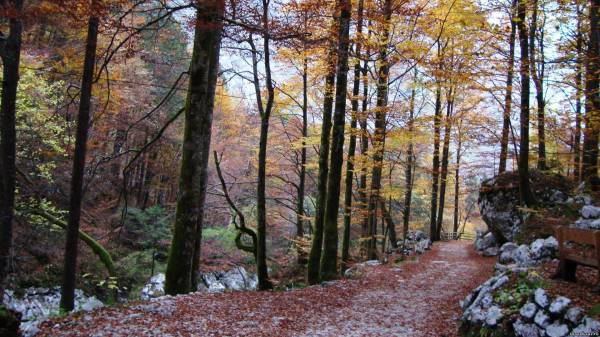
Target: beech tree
185,246
67,299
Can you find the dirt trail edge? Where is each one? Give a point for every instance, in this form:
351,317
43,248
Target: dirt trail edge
415,298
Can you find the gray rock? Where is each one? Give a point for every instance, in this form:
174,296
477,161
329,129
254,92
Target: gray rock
558,196
372,263
239,279
38,304
522,256
559,305
493,315
540,297
416,235
491,251
582,199
154,288
587,327
557,330
590,212
526,330
487,241
574,315
528,310
507,251
541,319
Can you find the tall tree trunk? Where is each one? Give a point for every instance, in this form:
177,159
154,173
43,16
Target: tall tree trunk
302,258
10,52
509,88
538,80
330,228
352,145
314,258
457,177
364,148
380,126
445,160
67,299
592,100
261,204
524,189
410,159
578,95
184,255
436,160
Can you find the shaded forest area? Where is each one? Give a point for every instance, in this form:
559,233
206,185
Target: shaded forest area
296,137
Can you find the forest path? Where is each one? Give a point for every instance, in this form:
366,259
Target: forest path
417,298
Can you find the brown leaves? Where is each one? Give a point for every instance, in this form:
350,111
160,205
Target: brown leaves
416,298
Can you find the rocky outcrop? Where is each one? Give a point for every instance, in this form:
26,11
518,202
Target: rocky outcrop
38,304
236,279
499,204
529,312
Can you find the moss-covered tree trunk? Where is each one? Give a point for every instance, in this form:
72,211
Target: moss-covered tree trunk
67,299
10,52
185,246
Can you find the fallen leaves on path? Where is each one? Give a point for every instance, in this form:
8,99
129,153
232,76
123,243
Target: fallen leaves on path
416,298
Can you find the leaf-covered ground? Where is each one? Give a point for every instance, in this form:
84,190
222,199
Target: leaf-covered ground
416,298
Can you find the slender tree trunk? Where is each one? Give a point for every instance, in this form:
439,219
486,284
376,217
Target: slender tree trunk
578,95
330,230
352,145
302,258
436,161
184,255
592,100
538,80
364,148
410,159
524,189
261,204
11,55
509,88
457,179
380,126
67,299
314,257
445,160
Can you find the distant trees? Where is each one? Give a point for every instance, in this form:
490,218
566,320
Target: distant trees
184,254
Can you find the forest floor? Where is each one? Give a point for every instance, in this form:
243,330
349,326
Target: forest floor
416,298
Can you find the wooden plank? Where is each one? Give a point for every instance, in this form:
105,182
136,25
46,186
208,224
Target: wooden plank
585,236
591,262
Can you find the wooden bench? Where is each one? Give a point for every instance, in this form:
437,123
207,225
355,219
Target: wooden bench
571,257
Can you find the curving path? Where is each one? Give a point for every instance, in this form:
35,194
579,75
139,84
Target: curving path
416,298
